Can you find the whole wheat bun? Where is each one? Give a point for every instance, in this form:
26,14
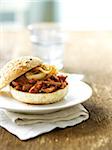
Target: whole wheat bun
16,67
44,98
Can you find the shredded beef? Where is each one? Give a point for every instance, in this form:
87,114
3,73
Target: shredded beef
49,89
18,87
36,87
49,84
26,87
32,81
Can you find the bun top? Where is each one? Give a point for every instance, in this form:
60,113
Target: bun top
17,67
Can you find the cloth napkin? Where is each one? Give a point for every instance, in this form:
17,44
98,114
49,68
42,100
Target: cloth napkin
26,126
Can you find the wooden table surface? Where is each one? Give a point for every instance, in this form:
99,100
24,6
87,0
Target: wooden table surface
89,53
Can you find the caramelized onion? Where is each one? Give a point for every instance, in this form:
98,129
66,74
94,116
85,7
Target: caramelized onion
44,69
39,76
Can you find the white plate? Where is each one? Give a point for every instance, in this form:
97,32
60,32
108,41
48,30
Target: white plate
78,92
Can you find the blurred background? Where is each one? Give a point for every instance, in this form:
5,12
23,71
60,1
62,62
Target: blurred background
84,21
74,14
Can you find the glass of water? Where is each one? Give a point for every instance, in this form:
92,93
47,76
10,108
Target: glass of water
48,42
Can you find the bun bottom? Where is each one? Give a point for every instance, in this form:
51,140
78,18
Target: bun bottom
44,98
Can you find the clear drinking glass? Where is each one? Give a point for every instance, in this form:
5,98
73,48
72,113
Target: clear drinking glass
48,43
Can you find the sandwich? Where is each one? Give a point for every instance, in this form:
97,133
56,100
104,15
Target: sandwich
32,81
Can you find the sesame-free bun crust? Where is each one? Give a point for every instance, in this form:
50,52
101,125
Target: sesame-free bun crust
39,98
16,67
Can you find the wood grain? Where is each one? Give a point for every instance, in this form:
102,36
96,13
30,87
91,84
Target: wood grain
89,53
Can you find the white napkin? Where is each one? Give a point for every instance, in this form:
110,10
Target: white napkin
26,126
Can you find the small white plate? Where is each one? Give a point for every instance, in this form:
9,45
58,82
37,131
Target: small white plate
78,92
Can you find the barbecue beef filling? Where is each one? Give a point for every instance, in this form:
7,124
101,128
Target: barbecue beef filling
49,84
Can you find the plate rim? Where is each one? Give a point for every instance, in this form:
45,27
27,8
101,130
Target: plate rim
50,108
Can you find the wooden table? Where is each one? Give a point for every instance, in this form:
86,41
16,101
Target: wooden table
89,53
